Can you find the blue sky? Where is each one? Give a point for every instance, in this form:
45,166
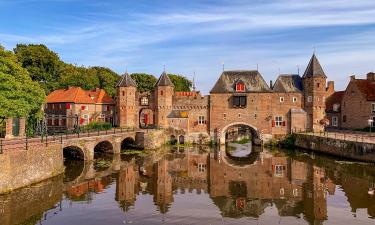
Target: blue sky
189,36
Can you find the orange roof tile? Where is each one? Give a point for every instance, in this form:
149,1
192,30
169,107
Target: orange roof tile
78,95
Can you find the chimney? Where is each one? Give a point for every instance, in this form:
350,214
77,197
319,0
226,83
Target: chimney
371,76
271,84
352,77
330,88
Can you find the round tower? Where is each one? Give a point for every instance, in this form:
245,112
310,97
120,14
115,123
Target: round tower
314,85
164,91
126,102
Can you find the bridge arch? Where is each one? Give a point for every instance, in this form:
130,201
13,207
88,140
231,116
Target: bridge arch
256,139
128,143
74,152
104,146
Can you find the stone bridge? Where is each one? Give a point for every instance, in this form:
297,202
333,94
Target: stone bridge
87,146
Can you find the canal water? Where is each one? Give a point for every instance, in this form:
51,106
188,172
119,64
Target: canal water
200,185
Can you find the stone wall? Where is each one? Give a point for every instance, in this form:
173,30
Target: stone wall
22,168
151,140
345,149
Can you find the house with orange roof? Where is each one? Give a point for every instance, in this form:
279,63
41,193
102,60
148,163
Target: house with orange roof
69,108
354,107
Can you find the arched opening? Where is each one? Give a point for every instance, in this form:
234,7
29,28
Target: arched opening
128,144
173,140
239,133
181,139
146,118
103,147
73,162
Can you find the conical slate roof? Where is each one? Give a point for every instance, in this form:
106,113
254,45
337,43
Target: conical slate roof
314,68
164,80
126,81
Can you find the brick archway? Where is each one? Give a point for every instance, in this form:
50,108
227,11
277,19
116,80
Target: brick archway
256,138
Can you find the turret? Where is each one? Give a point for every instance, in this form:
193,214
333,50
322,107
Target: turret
164,91
126,101
314,84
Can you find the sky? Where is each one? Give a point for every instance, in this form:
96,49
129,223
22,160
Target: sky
277,37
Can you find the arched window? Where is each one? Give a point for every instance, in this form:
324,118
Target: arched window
240,86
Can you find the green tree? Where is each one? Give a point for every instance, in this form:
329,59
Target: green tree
42,64
107,79
181,83
19,95
82,77
145,82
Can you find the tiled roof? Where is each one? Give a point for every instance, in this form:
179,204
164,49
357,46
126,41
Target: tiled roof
164,80
314,68
288,83
333,99
126,81
252,79
78,95
367,87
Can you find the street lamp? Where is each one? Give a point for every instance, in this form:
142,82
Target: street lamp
370,123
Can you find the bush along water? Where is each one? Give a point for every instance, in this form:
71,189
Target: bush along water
97,126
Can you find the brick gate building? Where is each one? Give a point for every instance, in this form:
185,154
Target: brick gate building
293,103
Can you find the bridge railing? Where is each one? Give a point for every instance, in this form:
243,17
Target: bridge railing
25,143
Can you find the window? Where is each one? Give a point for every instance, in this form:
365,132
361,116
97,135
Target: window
123,93
318,85
68,105
335,121
240,86
86,119
373,107
84,107
161,93
201,120
281,99
255,116
144,100
239,115
294,99
279,121
373,121
344,119
201,167
239,101
336,107
224,116
279,170
309,99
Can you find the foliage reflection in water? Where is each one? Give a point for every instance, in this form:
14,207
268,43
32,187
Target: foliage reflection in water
200,186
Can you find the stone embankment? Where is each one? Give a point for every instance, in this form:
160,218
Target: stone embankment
349,148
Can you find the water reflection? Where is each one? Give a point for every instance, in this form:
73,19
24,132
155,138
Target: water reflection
203,186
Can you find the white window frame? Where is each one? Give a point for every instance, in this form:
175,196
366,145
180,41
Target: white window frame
294,99
86,121
279,170
335,121
309,99
336,107
144,100
201,167
200,120
278,121
281,99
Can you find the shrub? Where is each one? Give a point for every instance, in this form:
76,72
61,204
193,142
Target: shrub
97,126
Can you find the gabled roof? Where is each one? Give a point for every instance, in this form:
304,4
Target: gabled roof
164,80
366,87
126,81
252,79
314,68
288,83
333,99
78,95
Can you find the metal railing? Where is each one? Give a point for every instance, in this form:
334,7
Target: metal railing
26,143
346,135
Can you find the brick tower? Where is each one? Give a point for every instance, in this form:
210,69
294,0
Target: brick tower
314,85
126,102
164,91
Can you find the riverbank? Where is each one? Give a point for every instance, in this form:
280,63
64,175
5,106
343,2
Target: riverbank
344,148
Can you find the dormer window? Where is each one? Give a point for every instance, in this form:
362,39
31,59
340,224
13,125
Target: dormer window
240,86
